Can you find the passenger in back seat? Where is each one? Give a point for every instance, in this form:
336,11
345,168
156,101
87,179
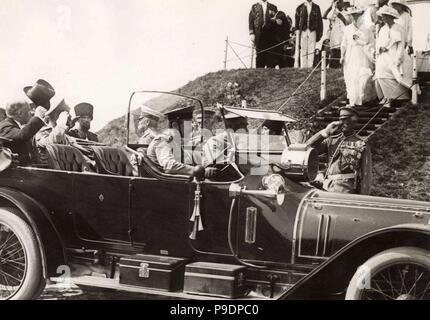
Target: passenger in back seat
55,132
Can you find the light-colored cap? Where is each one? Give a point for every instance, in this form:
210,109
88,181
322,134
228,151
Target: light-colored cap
147,112
388,11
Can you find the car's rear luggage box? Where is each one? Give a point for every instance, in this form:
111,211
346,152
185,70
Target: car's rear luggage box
214,279
153,272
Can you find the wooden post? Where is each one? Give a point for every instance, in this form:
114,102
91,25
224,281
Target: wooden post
414,99
323,75
252,56
297,53
226,54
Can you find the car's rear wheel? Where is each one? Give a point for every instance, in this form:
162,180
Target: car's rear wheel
20,262
395,274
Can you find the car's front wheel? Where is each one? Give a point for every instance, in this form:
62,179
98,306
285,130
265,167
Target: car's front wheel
20,261
395,274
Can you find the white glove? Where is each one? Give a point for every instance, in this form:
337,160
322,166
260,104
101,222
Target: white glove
40,112
62,119
252,38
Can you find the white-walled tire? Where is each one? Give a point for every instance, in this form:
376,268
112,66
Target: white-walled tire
396,274
20,261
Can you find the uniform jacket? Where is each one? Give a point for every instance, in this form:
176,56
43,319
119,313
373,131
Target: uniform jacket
256,19
161,152
47,136
315,21
147,137
348,155
77,134
22,138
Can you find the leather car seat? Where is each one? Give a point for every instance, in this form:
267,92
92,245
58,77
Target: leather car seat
152,170
112,161
66,158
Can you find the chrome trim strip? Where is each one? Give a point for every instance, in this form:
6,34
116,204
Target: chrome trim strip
327,230
296,223
320,226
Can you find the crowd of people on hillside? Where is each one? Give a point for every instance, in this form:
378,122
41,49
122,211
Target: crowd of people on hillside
373,44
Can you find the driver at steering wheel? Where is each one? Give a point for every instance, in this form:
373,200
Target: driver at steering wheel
161,152
220,149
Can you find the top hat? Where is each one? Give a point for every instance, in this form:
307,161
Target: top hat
147,112
55,112
388,11
41,93
84,109
347,112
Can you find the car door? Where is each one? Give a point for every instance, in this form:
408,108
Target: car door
101,207
160,214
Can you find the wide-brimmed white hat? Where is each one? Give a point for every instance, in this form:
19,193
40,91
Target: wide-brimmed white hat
354,10
147,112
401,2
388,11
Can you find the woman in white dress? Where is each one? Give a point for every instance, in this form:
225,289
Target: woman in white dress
357,64
404,20
393,72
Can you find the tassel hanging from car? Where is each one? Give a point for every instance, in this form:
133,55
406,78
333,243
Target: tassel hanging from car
196,217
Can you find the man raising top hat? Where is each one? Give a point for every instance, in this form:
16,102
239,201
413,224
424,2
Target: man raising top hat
84,112
349,158
40,94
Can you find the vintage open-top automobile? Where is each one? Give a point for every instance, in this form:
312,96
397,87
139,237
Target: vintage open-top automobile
257,229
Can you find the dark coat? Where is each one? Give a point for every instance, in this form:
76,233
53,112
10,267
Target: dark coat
315,22
22,138
90,136
256,20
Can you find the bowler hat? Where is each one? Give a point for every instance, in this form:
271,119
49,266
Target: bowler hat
41,93
84,109
55,112
347,112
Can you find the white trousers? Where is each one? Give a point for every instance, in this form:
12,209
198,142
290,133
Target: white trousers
307,50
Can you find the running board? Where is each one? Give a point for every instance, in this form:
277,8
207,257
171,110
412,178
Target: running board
113,284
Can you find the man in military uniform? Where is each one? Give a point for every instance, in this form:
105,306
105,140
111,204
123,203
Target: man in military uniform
220,148
147,125
84,112
160,151
349,158
199,137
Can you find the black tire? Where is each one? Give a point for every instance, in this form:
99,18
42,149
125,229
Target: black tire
21,275
395,274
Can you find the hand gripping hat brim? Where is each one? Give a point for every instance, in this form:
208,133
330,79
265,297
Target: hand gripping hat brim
84,109
41,93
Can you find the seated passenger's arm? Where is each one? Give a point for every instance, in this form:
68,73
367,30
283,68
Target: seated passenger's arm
167,160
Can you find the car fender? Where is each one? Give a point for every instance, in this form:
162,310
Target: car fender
333,276
50,243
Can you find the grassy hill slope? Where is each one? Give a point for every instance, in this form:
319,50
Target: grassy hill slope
401,155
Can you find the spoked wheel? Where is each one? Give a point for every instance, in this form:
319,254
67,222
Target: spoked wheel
396,274
20,262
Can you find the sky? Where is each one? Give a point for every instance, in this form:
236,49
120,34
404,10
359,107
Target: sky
100,51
